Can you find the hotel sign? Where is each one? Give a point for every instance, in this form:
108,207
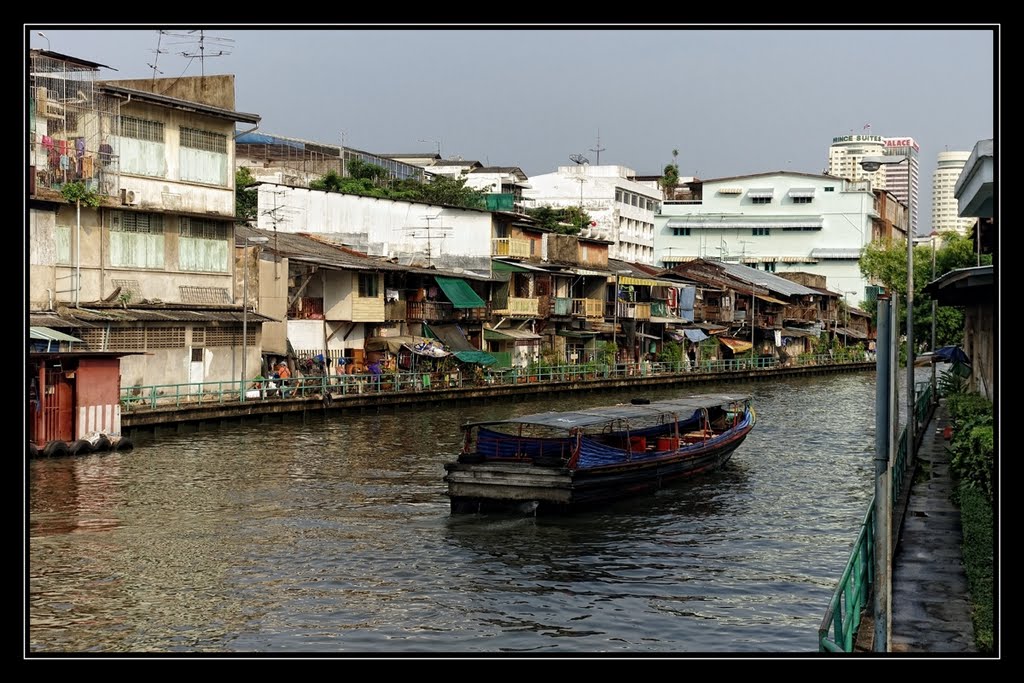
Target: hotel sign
902,142
857,138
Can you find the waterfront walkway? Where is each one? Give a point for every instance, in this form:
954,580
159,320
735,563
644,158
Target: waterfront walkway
931,609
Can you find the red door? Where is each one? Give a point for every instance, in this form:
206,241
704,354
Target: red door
58,408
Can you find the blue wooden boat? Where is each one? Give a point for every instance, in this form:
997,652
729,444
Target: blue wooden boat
560,461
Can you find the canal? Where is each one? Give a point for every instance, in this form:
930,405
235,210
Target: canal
333,536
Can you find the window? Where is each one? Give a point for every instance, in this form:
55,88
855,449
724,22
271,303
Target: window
802,200
63,235
760,232
140,147
769,267
203,156
830,188
368,285
197,355
681,232
203,245
761,200
137,240
618,195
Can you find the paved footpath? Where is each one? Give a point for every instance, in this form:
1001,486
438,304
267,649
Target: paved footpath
931,611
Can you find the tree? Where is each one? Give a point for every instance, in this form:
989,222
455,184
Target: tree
246,200
670,177
452,192
564,221
886,262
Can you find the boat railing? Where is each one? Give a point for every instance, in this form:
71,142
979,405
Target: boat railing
838,628
306,386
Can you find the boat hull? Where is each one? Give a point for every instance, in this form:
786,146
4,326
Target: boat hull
524,486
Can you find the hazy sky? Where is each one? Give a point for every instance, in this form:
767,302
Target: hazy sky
736,101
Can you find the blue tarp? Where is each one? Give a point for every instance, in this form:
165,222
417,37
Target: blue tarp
264,139
695,335
687,294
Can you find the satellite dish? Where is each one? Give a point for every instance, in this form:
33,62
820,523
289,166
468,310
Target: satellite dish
578,159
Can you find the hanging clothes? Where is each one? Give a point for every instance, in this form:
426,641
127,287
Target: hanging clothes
106,153
87,167
62,146
65,163
47,143
79,147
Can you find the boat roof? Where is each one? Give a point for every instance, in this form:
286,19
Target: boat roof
623,411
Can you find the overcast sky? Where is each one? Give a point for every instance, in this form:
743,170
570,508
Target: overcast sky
737,101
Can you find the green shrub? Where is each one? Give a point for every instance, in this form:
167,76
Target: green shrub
972,448
977,521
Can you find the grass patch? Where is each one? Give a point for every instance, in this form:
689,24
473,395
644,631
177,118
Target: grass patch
977,522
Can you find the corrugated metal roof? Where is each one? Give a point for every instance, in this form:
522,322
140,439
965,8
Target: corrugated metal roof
128,315
51,334
178,103
755,277
624,411
54,320
304,247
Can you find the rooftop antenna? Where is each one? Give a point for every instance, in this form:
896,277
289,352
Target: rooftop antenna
156,54
427,234
436,142
599,148
201,52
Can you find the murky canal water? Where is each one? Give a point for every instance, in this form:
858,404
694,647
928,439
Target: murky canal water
334,536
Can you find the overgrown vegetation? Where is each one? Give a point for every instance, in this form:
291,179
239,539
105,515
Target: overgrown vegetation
246,199
886,262
369,180
77,192
670,176
972,466
568,220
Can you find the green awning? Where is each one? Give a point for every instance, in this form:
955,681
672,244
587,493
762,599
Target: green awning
502,267
479,357
50,334
459,292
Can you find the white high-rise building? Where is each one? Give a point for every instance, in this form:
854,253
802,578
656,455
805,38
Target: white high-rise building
622,209
846,152
945,212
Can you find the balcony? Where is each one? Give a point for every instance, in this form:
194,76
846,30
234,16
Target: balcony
561,306
633,310
659,308
429,311
591,309
518,308
510,246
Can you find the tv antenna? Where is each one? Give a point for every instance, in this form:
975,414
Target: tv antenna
436,142
207,46
599,148
427,233
156,54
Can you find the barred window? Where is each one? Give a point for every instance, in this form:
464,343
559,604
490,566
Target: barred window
93,339
165,337
198,336
137,239
204,140
136,221
204,228
142,129
203,245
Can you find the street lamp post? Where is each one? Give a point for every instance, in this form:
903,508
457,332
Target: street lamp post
255,239
873,164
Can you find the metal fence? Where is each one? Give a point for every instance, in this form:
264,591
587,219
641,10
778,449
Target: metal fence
223,392
838,628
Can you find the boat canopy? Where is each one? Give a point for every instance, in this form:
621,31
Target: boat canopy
680,407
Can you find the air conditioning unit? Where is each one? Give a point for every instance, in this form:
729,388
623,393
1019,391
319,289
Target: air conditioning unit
129,197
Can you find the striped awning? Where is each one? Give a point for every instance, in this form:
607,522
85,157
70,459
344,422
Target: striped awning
740,224
630,280
730,190
801,192
760,192
836,253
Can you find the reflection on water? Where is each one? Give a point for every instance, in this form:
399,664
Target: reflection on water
334,536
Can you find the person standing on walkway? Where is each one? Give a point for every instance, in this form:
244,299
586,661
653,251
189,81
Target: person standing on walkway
285,376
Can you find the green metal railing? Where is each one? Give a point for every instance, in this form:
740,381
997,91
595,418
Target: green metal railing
223,392
839,626
838,629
